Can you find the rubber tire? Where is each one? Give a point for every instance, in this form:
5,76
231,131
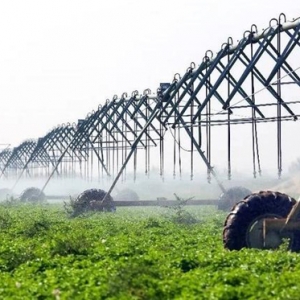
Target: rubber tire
32,195
127,195
5,193
87,201
247,210
233,195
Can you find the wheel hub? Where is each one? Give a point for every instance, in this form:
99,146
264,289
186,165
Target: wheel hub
255,238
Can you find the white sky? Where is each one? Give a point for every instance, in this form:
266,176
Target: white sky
59,59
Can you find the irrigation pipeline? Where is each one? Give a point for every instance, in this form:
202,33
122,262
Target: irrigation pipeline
103,144
158,202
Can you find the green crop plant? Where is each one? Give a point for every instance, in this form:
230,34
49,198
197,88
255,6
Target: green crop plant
135,253
180,215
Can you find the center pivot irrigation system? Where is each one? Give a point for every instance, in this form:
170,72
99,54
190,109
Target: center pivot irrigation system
253,81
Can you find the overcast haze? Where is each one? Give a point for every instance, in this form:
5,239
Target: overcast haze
61,59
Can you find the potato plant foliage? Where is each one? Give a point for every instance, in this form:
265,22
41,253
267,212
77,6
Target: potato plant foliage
135,253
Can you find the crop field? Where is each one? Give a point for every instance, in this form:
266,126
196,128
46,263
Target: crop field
134,253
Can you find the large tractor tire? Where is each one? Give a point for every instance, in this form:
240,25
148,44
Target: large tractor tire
244,224
127,195
233,195
5,193
91,200
32,195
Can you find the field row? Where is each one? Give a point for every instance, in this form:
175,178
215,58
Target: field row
134,253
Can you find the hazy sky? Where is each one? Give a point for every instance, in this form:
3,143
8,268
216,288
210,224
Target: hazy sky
59,59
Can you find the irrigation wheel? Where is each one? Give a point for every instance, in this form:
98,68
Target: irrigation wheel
244,224
5,193
127,195
33,195
233,195
90,200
